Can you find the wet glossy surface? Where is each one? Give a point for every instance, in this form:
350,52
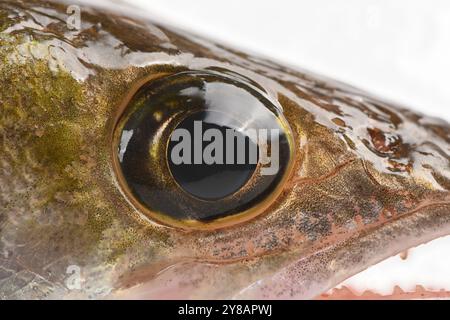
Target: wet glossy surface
190,189
215,179
369,178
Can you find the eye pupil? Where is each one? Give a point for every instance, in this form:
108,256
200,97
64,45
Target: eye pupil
213,160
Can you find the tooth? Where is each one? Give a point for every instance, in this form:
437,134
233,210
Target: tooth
418,272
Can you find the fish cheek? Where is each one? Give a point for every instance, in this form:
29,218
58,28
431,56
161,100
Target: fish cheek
58,200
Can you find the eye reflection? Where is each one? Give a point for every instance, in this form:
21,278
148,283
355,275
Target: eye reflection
201,150
219,166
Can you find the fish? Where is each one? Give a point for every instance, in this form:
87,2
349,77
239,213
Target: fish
363,179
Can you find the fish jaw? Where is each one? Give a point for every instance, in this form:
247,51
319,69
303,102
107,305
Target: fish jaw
329,267
419,273
305,278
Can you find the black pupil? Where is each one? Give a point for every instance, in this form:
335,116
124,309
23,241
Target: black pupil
213,160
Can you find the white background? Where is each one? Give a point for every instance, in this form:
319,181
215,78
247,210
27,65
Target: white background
399,50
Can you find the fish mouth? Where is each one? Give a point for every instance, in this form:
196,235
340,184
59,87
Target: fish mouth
327,269
346,269
418,273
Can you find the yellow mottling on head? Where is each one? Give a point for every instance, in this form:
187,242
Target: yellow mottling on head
172,104
158,116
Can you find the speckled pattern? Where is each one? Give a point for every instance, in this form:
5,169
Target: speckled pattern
370,179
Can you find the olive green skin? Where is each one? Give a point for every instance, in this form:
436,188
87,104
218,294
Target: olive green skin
369,180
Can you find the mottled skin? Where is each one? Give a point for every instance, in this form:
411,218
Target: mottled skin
370,179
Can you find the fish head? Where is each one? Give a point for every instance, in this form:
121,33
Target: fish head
361,179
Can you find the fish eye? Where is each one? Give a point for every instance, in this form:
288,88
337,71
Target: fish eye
201,149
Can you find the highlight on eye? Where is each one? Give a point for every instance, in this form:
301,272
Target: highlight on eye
201,149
